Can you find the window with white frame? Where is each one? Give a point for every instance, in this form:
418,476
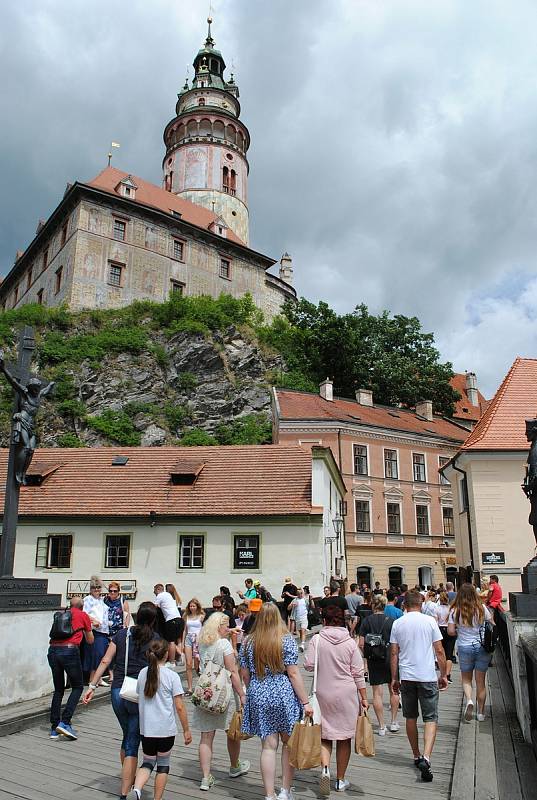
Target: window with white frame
360,459
191,551
393,513
418,464
363,516
447,521
422,520
390,464
442,460
54,551
117,549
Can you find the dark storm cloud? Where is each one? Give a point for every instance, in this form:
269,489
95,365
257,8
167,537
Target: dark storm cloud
393,142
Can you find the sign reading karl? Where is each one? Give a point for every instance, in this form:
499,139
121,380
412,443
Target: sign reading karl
29,391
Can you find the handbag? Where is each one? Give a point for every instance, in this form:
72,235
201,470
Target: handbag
488,636
234,731
312,700
213,690
364,741
305,745
129,687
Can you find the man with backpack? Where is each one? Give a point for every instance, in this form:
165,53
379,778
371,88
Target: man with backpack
63,656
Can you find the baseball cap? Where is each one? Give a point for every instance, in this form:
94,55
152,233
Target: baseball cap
257,583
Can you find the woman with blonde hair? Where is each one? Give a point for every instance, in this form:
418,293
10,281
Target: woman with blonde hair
379,672
467,621
193,620
95,608
275,694
215,646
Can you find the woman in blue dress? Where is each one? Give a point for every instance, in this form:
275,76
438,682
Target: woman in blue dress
275,694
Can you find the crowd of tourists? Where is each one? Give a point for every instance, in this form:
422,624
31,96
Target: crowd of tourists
241,663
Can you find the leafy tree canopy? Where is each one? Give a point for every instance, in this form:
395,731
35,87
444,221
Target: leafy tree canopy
391,355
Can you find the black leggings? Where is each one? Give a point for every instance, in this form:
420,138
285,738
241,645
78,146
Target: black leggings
152,746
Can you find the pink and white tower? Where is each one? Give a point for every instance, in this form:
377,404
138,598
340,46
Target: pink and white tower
206,143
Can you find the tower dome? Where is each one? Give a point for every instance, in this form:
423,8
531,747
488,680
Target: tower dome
206,143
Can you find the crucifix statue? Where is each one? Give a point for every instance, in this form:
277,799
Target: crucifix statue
29,391
530,481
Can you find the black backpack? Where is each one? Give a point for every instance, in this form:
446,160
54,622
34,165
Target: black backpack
376,648
62,625
488,636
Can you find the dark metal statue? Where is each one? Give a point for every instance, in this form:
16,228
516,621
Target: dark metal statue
29,395
530,481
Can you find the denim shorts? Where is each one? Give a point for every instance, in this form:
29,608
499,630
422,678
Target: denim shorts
128,717
473,656
422,694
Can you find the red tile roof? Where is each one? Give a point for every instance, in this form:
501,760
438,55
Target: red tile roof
151,195
463,408
254,480
306,406
502,426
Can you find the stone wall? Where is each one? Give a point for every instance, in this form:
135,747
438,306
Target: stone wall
24,671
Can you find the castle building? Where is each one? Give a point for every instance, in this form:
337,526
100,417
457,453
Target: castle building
119,238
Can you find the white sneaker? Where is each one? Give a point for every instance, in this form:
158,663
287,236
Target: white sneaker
324,783
480,717
469,711
342,786
395,727
301,648
286,794
382,731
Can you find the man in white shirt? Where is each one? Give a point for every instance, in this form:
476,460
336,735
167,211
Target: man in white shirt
172,621
415,642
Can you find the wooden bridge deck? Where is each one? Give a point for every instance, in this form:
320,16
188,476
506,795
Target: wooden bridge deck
35,768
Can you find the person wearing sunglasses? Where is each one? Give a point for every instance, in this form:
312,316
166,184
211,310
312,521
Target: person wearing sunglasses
118,612
97,611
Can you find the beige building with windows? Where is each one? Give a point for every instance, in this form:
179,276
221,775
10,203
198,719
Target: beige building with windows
120,238
486,473
399,522
195,517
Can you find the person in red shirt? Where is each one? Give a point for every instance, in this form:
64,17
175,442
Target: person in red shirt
495,595
64,659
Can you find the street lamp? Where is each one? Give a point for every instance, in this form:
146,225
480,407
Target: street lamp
337,522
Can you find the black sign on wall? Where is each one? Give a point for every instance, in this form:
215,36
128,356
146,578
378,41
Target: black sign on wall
492,559
246,552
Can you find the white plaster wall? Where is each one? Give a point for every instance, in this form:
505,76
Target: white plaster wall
294,548
24,670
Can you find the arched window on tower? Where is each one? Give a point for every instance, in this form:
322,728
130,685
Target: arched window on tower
233,183
225,179
201,101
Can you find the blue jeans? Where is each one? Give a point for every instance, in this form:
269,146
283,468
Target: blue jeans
473,656
65,661
127,715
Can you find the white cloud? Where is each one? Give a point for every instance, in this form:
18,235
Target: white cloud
393,142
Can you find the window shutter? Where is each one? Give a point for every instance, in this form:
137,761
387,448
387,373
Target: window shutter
41,551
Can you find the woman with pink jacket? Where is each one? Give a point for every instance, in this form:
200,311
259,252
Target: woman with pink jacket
340,672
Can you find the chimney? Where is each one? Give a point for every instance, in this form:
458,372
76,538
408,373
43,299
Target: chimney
286,268
364,397
40,225
471,389
326,390
425,409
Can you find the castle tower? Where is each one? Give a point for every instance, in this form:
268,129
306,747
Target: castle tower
206,143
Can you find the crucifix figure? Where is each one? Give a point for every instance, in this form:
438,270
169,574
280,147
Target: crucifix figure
530,481
29,391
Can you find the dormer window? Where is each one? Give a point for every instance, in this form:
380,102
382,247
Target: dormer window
127,188
186,473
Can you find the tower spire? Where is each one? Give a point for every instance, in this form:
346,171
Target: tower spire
209,41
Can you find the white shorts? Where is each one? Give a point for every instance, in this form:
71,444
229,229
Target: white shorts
302,624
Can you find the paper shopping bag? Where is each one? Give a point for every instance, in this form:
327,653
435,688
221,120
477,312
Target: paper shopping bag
234,731
364,743
305,745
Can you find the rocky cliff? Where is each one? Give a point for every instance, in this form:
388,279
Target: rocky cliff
204,386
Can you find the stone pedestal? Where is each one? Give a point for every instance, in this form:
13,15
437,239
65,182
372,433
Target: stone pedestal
524,603
529,577
27,594
24,670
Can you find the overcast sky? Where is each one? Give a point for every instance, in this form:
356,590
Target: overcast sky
394,146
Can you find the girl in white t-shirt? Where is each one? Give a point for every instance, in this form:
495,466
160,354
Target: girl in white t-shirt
299,609
466,621
160,697
193,617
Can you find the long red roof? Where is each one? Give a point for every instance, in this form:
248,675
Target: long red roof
307,406
151,195
502,426
249,480
463,408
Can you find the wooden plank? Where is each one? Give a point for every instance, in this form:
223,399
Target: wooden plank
506,767
486,783
463,784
